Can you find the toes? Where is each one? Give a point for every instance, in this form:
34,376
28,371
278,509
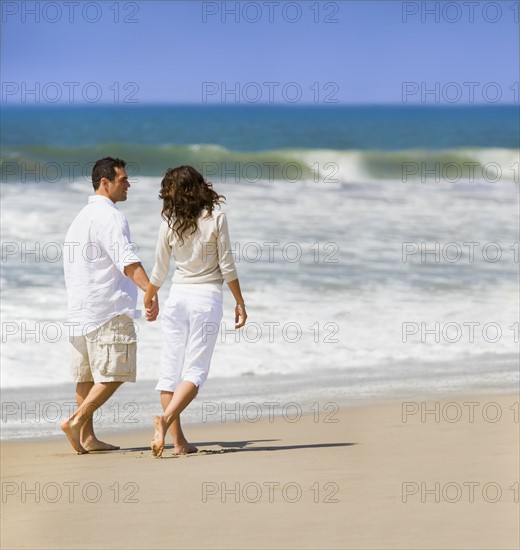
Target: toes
157,449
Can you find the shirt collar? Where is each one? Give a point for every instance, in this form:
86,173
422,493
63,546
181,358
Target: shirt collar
101,198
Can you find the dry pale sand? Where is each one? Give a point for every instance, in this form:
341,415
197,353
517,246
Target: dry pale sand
280,485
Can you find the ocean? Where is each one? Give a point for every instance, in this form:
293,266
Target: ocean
377,248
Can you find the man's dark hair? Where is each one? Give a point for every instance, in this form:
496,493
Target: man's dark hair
105,168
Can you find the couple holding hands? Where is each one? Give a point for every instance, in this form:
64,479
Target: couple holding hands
102,273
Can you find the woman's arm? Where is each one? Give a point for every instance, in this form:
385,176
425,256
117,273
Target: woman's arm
240,308
160,269
224,250
227,268
163,252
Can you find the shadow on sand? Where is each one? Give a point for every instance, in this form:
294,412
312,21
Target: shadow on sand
234,447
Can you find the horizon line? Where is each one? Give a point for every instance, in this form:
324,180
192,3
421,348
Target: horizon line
252,105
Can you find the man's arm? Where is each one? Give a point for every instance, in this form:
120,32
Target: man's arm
138,275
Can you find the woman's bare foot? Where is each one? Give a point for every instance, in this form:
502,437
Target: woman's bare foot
94,444
73,431
184,448
157,444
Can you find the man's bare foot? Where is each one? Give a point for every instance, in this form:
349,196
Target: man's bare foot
72,431
94,444
184,448
157,444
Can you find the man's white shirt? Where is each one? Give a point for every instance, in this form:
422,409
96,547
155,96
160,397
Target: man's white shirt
97,249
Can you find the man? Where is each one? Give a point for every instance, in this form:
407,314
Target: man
101,274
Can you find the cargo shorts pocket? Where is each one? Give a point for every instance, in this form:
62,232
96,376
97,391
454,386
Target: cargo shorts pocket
114,348
117,358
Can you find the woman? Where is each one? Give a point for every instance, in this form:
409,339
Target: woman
199,240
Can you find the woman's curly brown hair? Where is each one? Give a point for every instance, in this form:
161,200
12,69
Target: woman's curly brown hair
185,194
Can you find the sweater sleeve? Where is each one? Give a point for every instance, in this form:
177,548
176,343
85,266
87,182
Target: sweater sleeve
163,253
225,254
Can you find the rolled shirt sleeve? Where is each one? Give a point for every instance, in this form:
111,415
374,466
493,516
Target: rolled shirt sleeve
115,239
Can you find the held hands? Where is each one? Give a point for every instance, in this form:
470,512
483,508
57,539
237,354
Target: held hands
240,315
152,309
151,305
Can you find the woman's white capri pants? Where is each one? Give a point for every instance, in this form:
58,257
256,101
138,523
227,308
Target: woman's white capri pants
190,324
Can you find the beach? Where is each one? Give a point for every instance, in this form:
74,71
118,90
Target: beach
363,294
365,157
391,474
366,287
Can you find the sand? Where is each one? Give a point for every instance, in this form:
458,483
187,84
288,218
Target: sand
369,480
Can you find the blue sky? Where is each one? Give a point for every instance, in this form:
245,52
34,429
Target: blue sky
171,52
